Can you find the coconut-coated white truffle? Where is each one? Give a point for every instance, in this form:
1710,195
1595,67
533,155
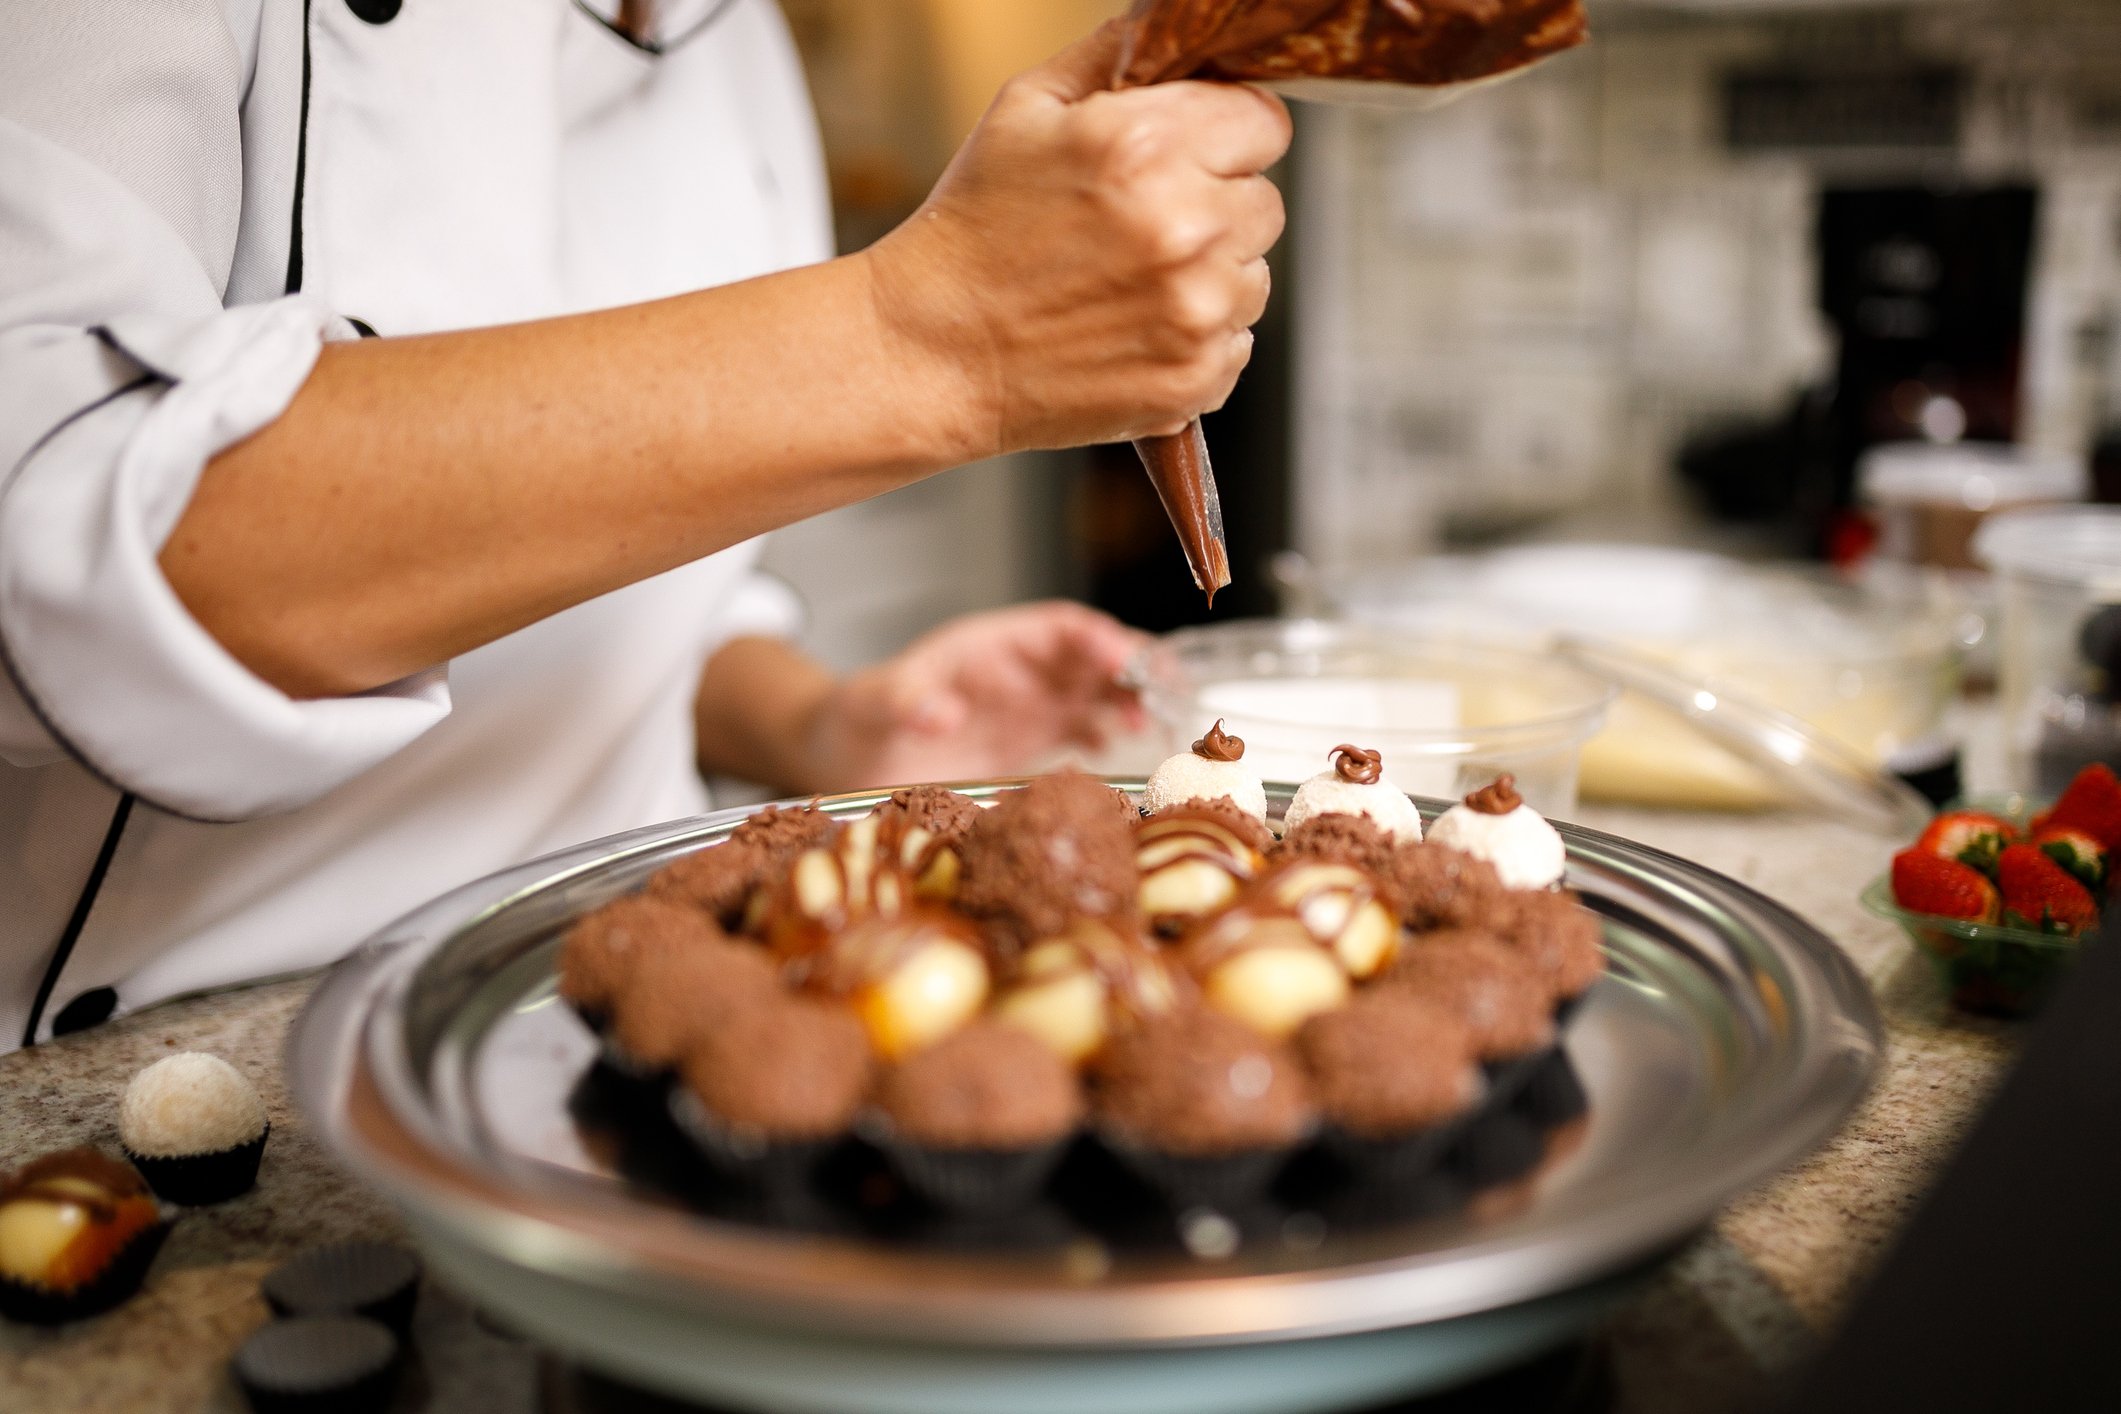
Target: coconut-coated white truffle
1329,793
186,1104
1214,769
1188,777
1526,851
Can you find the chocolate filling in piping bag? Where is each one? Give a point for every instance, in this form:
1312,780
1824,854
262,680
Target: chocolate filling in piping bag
1432,45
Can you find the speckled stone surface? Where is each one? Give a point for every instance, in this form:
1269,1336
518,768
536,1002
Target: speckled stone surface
1741,1304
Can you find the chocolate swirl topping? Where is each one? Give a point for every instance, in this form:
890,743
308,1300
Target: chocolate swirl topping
1219,745
1498,798
1358,767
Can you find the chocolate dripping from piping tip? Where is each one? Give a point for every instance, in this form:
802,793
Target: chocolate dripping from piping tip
1185,482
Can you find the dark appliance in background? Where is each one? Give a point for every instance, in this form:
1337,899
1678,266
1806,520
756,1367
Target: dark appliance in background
1927,288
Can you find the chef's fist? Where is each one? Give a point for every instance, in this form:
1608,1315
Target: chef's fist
1091,264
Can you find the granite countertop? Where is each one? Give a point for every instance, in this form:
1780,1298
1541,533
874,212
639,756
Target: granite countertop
1742,1302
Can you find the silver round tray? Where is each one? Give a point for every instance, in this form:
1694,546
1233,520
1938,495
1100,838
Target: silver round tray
1728,1040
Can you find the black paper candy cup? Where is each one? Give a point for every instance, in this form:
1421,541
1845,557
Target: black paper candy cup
1553,1093
742,1153
1226,1182
966,1180
371,1279
1498,1146
319,1365
1398,1158
198,1180
47,1306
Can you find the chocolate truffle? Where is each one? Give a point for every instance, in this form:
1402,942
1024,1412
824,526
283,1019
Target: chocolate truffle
1441,888
1073,991
604,947
1496,990
77,1231
1196,1082
989,1086
674,995
721,884
1390,1063
1057,850
940,811
1354,840
1262,966
1562,938
1194,861
912,979
194,1127
789,1068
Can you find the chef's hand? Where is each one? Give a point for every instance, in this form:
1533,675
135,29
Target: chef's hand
986,695
1092,262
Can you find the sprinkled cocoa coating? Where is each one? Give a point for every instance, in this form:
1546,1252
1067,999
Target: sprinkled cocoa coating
1048,854
1219,809
1219,745
1354,840
672,996
1561,937
989,1086
717,881
1502,997
605,947
1390,1062
1197,1082
790,1068
1499,797
941,812
720,879
1440,887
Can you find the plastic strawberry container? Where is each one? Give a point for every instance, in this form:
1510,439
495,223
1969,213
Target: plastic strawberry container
1989,968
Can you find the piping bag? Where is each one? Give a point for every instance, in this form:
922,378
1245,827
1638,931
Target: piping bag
1392,53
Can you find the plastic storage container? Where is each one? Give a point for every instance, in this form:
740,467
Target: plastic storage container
1448,717
2058,575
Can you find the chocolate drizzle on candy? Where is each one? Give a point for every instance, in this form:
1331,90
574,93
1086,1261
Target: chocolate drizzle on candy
1499,797
1357,766
1219,745
1191,864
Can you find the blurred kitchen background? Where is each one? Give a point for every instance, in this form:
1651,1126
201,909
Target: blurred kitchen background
1678,287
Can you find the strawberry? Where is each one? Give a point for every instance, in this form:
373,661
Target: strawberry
2092,804
2042,893
1929,883
1968,836
2076,851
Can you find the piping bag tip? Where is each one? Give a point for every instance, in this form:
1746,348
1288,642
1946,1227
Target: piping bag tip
1185,482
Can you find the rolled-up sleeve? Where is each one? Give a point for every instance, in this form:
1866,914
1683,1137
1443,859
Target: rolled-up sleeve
121,376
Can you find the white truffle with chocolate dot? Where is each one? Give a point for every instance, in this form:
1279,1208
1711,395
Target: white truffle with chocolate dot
1212,769
1496,825
1355,785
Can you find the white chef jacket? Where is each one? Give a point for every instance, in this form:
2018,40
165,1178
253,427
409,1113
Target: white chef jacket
194,195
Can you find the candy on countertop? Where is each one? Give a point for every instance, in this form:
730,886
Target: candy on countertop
371,1279
319,1365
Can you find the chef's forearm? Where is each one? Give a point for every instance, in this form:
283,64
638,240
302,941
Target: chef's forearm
423,496
756,712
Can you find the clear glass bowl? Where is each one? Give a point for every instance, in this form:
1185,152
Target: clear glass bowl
1986,967
1873,664
1448,716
